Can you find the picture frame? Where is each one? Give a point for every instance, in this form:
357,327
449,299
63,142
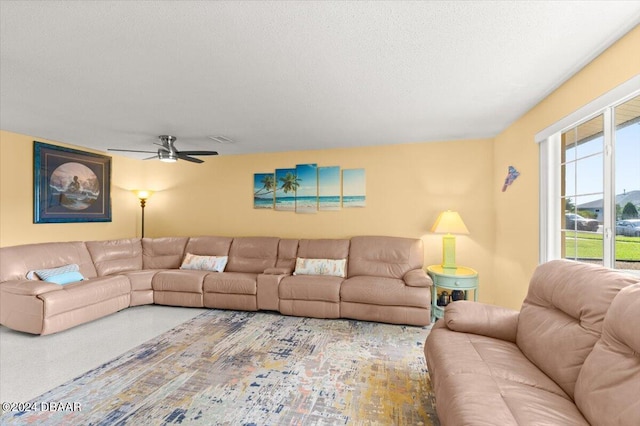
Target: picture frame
70,185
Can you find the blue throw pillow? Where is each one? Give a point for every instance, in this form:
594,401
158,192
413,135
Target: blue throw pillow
65,278
43,274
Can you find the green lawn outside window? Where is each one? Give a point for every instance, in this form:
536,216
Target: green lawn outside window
589,246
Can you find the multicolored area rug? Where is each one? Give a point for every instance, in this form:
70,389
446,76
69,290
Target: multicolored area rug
247,368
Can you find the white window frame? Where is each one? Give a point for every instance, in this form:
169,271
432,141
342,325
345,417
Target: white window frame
549,141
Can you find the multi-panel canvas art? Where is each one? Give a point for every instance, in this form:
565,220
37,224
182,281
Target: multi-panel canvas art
286,185
353,188
329,188
264,187
308,188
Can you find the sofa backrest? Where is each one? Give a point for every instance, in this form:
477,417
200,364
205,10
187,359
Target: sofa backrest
609,382
287,252
163,253
389,257
115,256
324,249
562,315
208,246
252,254
16,261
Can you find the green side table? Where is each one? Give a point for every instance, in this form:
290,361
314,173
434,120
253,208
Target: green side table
461,278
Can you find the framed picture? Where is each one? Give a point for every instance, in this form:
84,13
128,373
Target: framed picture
70,185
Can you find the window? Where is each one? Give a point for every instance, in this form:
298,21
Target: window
590,183
582,191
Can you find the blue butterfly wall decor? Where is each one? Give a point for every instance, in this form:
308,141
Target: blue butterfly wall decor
511,176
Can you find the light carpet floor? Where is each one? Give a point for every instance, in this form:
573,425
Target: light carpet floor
247,368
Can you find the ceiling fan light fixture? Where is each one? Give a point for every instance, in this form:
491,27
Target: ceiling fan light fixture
166,156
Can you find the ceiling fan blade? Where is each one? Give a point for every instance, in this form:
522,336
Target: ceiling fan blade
153,157
187,158
198,152
129,150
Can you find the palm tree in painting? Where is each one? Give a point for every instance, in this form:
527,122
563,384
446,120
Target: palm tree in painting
290,182
268,185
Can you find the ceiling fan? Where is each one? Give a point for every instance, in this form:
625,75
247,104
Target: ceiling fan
168,152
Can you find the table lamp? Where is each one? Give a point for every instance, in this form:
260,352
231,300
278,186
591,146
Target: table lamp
449,223
142,195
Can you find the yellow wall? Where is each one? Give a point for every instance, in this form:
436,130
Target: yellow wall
516,240
16,199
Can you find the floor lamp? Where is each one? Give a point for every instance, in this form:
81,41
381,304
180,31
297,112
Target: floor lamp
143,195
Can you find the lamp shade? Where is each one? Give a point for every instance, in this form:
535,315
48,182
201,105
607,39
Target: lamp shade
449,222
142,194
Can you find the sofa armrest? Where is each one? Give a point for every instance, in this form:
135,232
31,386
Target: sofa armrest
28,287
483,319
277,271
417,278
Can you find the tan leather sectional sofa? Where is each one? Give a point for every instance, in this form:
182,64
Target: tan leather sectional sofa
570,356
384,279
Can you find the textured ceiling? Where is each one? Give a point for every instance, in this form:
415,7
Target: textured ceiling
279,76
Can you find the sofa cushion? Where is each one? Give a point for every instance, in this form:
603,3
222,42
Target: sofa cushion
310,287
252,254
16,261
608,386
457,353
86,293
564,310
389,257
383,291
230,283
116,256
183,281
287,252
478,399
484,380
323,249
208,246
163,253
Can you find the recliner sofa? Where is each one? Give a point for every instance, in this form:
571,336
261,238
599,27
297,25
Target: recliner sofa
384,279
570,356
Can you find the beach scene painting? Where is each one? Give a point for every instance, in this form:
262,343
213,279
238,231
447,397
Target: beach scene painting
264,188
307,191
287,183
329,188
353,188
